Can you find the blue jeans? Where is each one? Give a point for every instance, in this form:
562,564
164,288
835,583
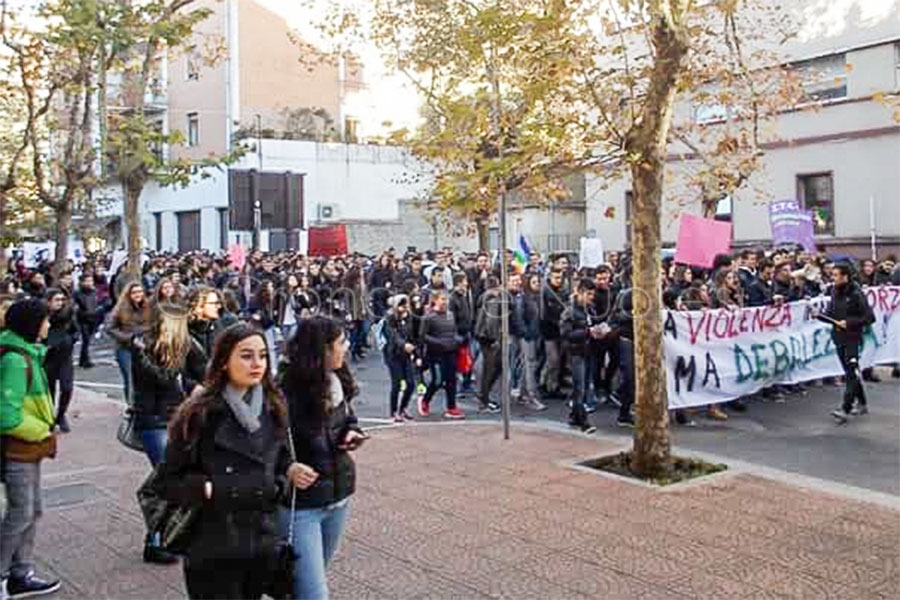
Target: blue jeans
626,372
23,510
317,532
358,337
516,359
287,332
590,373
400,369
446,362
154,441
579,379
123,358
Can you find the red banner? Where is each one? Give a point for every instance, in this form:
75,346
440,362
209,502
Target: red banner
328,241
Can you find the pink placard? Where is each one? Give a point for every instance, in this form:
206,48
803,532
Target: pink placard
237,256
700,240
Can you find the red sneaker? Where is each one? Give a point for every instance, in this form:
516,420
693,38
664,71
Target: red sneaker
423,407
454,413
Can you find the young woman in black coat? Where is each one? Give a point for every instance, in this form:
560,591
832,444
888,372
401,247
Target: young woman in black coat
319,390
228,455
441,339
60,342
398,356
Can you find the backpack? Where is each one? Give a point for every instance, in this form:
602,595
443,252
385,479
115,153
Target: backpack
379,334
29,373
29,366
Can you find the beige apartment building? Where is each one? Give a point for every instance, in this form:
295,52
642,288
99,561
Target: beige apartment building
247,74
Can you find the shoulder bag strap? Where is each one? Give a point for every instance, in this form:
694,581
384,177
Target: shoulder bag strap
290,437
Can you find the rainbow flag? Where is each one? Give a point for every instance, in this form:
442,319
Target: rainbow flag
522,254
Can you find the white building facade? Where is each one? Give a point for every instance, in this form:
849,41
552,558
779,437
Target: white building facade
343,183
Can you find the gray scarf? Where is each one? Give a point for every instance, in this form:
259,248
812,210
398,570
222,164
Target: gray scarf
246,407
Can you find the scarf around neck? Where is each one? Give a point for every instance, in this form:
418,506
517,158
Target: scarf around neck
246,407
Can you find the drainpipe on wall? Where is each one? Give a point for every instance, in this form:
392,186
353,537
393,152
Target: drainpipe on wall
232,86
232,73
342,82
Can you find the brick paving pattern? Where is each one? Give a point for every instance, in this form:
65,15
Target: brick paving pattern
455,512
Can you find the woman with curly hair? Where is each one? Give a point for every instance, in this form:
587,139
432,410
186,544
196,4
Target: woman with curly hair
127,321
166,291
319,390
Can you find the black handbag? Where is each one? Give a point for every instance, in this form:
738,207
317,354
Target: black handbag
178,528
128,435
153,506
174,522
281,579
281,582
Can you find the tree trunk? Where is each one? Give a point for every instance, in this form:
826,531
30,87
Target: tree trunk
3,232
647,141
132,190
63,214
651,437
102,103
484,235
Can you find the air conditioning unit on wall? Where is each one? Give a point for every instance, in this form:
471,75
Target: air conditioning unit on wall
328,212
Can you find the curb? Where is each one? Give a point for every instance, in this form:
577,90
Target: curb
735,467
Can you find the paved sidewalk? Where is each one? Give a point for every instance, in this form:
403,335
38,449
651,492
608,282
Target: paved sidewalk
452,511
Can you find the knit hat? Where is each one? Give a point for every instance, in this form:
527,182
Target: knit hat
25,318
397,300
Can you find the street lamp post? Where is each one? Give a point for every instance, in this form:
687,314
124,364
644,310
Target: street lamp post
504,313
257,204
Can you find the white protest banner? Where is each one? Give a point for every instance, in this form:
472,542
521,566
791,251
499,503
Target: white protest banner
303,242
119,258
718,355
35,252
75,252
591,255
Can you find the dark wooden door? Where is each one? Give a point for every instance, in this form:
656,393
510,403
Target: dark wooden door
188,230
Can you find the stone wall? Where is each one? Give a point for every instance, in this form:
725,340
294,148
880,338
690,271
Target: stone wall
413,229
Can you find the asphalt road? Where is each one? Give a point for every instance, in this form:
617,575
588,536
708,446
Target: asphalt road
797,436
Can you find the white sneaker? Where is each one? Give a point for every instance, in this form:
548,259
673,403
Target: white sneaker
535,404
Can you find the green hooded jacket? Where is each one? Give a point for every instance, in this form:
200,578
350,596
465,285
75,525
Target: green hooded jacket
26,412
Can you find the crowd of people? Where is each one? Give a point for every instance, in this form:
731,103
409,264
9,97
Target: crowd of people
434,315
240,386
263,458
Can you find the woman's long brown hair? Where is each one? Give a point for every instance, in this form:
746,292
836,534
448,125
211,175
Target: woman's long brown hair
169,336
193,414
124,310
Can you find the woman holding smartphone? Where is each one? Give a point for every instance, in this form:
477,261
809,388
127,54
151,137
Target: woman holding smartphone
319,390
